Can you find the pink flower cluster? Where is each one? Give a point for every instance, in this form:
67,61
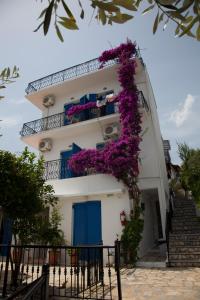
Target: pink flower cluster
76,109
118,158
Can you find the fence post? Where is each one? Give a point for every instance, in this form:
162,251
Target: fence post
5,281
117,268
45,272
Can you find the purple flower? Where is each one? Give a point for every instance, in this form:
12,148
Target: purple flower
118,158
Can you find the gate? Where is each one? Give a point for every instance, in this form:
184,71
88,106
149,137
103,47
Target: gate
82,272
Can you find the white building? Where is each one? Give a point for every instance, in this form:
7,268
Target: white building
91,204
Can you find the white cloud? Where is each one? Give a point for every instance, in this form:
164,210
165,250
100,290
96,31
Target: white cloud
179,116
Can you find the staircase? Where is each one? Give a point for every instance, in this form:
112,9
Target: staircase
184,240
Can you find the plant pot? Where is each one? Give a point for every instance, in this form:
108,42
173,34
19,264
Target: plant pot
54,257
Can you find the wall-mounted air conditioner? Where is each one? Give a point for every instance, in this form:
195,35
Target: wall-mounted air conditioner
111,131
48,101
45,145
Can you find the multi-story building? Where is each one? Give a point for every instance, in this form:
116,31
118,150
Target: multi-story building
91,204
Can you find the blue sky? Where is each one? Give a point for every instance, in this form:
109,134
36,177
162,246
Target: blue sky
173,65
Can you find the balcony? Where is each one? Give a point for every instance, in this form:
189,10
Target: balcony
59,120
67,184
70,73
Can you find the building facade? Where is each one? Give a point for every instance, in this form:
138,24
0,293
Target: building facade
91,204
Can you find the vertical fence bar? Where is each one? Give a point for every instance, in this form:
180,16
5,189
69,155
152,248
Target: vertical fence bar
117,268
5,282
45,272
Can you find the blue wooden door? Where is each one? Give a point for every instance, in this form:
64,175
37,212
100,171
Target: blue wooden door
66,108
84,114
65,171
87,223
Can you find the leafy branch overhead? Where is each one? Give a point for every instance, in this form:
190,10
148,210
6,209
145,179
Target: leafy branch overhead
184,13
8,76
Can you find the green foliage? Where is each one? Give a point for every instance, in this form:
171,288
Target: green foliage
190,170
131,237
47,230
8,76
185,14
24,193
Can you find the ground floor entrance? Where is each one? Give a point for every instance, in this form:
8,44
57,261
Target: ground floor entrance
87,229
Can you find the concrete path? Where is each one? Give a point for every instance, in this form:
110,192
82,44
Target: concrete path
161,284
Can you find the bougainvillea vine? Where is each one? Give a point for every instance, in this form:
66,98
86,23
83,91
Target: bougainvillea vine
118,158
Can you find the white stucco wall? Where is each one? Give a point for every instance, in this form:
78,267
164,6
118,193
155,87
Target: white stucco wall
111,206
152,168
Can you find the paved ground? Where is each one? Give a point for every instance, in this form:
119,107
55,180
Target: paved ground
161,284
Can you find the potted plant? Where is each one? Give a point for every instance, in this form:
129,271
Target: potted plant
49,233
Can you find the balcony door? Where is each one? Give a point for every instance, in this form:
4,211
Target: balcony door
65,171
87,223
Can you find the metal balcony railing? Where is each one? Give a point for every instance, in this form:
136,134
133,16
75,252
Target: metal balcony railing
66,74
43,124
58,120
55,121
69,73
58,169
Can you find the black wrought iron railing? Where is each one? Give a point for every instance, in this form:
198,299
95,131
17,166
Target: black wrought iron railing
69,73
58,120
66,74
58,169
43,124
83,272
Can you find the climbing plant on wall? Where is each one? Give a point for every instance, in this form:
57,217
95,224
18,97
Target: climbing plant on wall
118,158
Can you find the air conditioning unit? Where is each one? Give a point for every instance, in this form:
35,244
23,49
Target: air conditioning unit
45,145
111,131
48,101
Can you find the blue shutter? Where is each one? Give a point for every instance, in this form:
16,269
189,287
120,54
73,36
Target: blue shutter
110,108
84,115
94,112
66,108
65,171
80,220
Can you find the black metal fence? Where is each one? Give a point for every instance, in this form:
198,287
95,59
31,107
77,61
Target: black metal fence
84,272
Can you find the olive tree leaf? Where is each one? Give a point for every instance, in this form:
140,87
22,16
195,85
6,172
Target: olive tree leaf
108,6
47,18
102,16
186,30
198,33
59,34
38,27
120,18
68,11
148,9
42,13
128,4
82,10
156,22
68,23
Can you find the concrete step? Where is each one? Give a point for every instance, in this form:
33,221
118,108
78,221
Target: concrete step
177,227
183,264
184,237
184,249
184,256
183,220
179,243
